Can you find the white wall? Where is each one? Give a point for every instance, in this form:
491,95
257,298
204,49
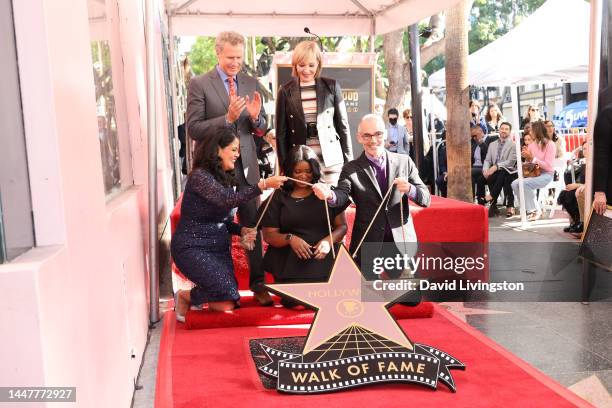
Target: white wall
76,307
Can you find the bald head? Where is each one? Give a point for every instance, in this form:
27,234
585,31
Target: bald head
371,135
370,123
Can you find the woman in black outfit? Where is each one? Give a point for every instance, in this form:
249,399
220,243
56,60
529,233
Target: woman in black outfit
201,243
295,225
310,111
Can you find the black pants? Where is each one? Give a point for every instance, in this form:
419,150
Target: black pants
478,182
502,180
247,213
442,185
568,201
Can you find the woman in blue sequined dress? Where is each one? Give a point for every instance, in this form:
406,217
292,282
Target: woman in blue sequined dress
201,244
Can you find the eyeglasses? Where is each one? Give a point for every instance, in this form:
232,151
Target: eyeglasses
369,136
407,117
533,110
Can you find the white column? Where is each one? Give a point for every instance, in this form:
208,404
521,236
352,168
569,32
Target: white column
594,57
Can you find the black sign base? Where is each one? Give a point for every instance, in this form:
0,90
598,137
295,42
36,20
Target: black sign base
282,366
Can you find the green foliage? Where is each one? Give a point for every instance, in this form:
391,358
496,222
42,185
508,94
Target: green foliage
491,19
202,56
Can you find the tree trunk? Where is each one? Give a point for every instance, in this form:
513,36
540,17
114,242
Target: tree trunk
398,70
458,146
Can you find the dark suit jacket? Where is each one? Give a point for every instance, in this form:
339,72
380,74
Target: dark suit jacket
332,121
207,104
602,146
357,180
483,151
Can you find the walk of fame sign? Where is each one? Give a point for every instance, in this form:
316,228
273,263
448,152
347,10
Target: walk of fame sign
351,342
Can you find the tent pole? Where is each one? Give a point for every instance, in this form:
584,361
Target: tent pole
519,169
433,141
544,107
594,60
417,95
372,33
176,160
152,150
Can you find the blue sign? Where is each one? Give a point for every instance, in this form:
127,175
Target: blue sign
573,115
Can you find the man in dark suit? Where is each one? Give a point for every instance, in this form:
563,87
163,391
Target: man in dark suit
224,97
602,170
367,180
479,152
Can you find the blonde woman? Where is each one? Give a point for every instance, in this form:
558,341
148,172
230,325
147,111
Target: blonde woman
310,111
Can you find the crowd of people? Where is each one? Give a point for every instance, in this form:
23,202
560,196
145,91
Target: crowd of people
303,220
306,158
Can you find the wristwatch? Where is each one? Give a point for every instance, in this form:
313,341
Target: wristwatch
288,237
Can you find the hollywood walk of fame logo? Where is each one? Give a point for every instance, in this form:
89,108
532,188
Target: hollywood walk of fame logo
351,342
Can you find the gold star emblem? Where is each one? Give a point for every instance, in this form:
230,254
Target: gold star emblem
343,301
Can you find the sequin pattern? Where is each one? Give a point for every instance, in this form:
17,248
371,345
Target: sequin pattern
201,245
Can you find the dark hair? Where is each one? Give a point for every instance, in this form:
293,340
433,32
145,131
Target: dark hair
538,132
506,123
475,126
392,111
488,117
555,137
206,155
296,155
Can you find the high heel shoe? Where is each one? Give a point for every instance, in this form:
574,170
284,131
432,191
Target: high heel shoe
179,317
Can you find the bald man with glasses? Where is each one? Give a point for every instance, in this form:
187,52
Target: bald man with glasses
366,180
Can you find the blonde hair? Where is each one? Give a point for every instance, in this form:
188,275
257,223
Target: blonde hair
231,37
304,50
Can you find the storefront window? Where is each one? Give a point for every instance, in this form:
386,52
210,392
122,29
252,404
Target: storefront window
16,224
106,108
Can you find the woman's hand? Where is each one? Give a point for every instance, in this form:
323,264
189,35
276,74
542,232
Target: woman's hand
526,154
300,247
322,248
599,202
247,238
271,182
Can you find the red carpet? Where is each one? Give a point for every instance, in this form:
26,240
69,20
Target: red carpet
213,368
251,314
445,220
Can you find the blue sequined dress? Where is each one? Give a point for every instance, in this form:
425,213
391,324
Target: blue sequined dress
201,244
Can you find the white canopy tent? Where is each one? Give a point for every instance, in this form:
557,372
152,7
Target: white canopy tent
260,18
288,18
551,45
323,17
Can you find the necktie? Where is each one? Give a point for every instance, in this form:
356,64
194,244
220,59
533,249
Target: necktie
232,87
499,150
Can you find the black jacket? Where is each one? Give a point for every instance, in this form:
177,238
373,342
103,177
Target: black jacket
332,120
602,146
483,151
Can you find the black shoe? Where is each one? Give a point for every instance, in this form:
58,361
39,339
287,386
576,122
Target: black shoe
569,228
493,211
577,228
